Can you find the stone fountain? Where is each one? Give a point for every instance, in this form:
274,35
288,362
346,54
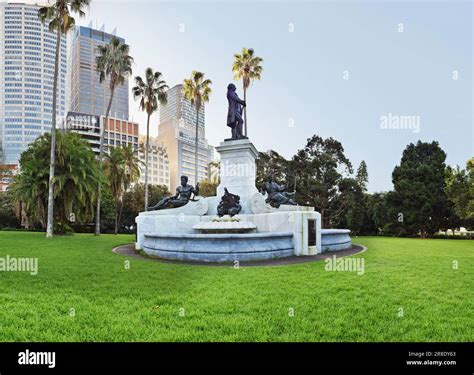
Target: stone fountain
260,231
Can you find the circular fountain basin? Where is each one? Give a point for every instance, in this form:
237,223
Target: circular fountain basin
335,239
226,247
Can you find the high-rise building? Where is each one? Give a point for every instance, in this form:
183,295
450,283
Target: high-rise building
177,132
158,163
117,133
27,57
88,95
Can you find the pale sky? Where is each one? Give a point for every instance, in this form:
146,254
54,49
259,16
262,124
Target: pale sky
330,68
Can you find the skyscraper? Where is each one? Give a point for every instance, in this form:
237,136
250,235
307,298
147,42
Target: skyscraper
87,94
27,56
177,132
158,163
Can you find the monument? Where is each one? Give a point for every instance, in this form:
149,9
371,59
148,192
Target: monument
240,223
181,198
234,112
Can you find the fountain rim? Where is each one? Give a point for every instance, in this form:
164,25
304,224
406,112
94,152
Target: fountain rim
335,231
219,235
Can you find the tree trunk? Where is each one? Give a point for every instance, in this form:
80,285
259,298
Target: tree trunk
147,145
101,156
116,216
120,212
52,164
196,165
245,110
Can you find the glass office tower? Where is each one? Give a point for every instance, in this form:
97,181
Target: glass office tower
87,94
27,56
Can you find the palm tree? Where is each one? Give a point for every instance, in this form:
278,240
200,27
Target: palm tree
114,168
213,172
77,175
197,90
132,169
247,67
132,172
60,21
113,62
151,91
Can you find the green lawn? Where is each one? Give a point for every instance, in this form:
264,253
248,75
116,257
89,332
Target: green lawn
143,303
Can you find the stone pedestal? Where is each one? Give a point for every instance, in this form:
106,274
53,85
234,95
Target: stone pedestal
238,170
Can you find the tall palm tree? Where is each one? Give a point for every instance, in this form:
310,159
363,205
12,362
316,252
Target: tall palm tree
132,172
151,91
247,67
77,175
114,168
197,90
131,162
58,17
114,62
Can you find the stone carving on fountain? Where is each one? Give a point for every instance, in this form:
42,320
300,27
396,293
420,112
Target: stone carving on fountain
199,207
181,198
277,194
229,204
181,202
274,198
260,206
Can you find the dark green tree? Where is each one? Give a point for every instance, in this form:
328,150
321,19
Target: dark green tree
348,206
8,211
362,176
271,162
377,212
320,169
419,200
459,190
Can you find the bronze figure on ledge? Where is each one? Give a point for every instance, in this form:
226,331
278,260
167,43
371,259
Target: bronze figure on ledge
277,194
182,197
229,204
234,113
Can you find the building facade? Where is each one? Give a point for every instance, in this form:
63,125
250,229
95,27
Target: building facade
177,132
88,95
158,163
118,132
27,57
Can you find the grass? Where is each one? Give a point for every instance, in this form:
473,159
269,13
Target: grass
83,292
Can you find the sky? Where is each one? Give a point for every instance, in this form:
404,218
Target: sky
350,70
